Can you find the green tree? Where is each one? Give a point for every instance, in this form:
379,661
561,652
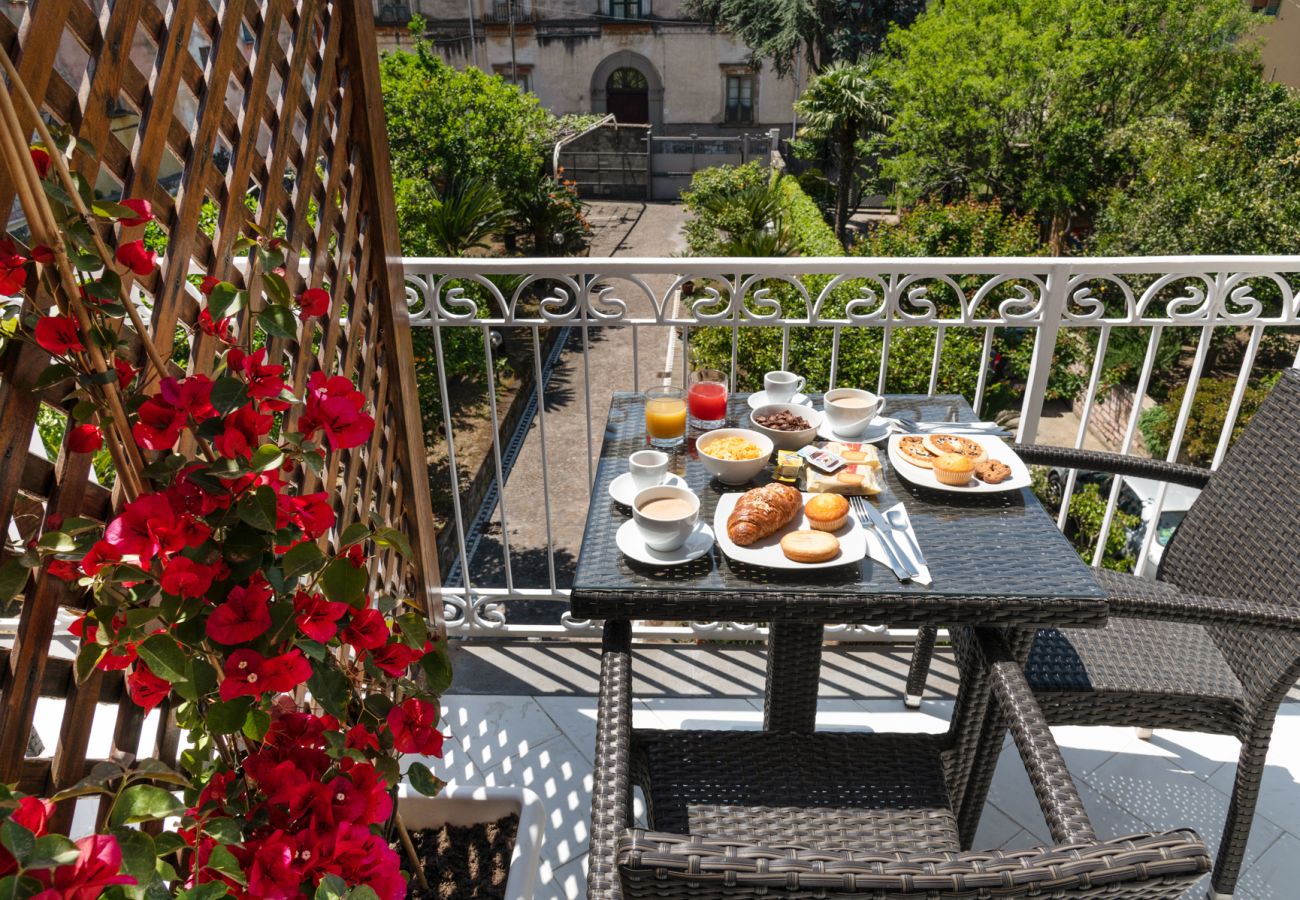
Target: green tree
461,217
844,105
1031,101
821,31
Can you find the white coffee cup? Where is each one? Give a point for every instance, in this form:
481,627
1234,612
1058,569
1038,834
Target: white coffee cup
666,515
782,386
848,410
648,468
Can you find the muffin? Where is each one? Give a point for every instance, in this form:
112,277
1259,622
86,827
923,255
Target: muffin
953,469
827,512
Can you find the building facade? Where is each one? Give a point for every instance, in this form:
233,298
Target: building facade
1279,35
640,60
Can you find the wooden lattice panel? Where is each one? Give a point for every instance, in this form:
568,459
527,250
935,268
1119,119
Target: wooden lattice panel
222,115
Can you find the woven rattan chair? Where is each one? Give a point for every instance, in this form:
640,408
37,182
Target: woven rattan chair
1214,643
790,815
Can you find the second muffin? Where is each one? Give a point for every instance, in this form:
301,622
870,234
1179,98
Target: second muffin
827,512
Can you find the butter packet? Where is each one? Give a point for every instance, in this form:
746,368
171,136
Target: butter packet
789,465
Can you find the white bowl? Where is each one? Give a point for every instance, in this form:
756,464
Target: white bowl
734,471
788,440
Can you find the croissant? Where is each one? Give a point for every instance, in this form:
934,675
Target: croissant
762,511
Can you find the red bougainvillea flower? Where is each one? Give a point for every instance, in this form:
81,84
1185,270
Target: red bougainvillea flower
98,866
58,335
125,372
396,658
13,277
192,394
414,726
34,815
41,159
334,404
136,532
243,617
313,302
183,577
62,569
147,690
264,382
143,212
159,425
244,429
285,672
101,554
135,257
273,872
219,329
310,512
208,284
43,254
359,737
367,630
243,672
317,617
85,439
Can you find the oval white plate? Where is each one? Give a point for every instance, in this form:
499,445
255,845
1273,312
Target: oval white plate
995,447
624,491
767,552
761,399
873,432
632,544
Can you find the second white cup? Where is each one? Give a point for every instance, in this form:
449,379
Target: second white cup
666,516
782,386
648,468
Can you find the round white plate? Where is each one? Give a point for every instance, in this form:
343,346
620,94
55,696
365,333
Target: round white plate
767,551
995,447
624,491
875,431
632,544
761,399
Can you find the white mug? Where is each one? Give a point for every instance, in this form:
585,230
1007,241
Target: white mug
848,410
666,532
648,468
782,386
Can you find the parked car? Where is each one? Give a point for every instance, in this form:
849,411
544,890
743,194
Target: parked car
1137,497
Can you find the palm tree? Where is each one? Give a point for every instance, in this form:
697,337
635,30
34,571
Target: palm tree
467,212
751,220
843,105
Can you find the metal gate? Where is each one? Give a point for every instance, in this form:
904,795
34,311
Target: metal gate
673,160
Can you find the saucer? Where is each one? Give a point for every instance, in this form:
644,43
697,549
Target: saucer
633,545
623,491
761,399
875,430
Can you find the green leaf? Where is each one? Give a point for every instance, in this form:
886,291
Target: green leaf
267,456
96,781
57,542
16,887
328,688
414,629
302,558
13,578
228,394
343,582
276,287
165,657
109,210
257,723
17,840
225,300
223,861
139,856
52,850
278,321
53,375
157,770
424,781
391,537
355,532
209,890
258,509
87,658
227,717
107,286
362,892
437,668
144,803
224,830
331,887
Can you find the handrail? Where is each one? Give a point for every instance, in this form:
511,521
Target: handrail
564,141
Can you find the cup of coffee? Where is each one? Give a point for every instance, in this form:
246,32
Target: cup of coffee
848,410
666,516
648,468
782,386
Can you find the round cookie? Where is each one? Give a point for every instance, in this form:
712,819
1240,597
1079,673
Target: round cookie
955,443
810,546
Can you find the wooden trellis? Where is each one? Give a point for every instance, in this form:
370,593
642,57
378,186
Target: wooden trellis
221,114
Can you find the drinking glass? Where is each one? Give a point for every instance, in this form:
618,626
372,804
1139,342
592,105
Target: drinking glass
707,399
665,417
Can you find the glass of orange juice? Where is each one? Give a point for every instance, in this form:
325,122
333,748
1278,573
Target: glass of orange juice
665,417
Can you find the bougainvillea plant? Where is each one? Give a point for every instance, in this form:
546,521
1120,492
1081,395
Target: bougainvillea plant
218,587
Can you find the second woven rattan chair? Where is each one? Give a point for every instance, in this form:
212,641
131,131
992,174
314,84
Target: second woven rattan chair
1214,643
793,815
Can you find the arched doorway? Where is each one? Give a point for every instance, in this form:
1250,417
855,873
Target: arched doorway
627,96
628,85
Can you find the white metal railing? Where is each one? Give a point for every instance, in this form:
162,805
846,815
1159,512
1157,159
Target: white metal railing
1252,296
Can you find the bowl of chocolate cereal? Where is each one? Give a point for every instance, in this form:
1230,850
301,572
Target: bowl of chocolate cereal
788,425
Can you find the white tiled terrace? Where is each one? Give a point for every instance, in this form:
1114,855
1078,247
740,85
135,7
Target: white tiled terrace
538,729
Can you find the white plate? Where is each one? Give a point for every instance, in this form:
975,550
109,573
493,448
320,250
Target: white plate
767,552
631,542
873,432
761,399
624,491
994,446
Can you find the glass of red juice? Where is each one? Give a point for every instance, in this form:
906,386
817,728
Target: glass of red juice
706,399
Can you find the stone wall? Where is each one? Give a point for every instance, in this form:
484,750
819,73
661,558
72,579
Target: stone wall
1110,417
609,162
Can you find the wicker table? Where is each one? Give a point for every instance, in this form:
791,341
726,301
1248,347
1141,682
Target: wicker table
995,560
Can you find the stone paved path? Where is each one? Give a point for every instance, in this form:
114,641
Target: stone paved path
621,229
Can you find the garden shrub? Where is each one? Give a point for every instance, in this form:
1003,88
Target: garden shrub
1083,524
1205,422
